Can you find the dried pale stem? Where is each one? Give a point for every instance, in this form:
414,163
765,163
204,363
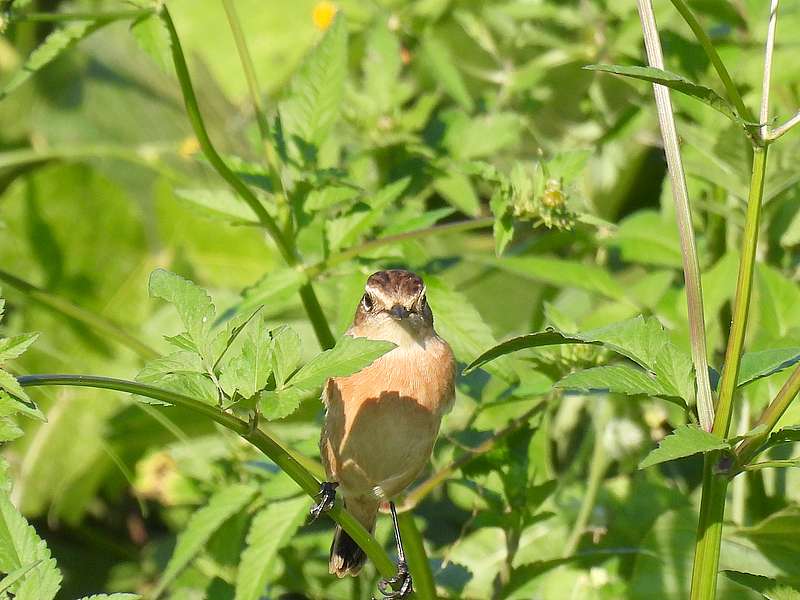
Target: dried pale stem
691,265
780,130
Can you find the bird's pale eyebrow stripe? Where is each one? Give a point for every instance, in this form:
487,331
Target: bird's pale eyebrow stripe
377,293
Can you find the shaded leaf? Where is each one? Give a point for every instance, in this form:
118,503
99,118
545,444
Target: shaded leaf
439,61
619,379
779,530
285,354
13,347
203,523
271,529
279,404
180,372
756,365
549,337
771,589
457,189
686,440
220,204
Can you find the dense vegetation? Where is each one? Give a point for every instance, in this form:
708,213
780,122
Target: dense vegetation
201,233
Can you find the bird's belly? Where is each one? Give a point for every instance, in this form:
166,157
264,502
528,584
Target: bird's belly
382,423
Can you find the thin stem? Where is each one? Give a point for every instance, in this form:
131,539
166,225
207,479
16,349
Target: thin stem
272,449
345,255
417,558
307,294
255,96
73,311
709,531
773,464
778,131
772,414
741,302
427,486
680,195
597,470
57,17
730,88
763,116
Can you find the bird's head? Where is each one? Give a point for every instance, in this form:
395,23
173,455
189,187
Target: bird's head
394,302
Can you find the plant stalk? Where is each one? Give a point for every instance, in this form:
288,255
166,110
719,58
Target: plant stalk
286,249
778,131
56,17
272,449
680,195
418,565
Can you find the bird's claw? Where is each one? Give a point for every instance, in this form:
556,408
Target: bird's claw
398,587
326,499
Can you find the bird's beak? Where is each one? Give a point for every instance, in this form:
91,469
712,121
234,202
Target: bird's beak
399,311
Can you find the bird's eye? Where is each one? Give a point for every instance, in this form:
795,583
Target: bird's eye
367,302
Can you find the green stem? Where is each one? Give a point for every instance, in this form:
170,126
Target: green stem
709,530
272,449
741,302
255,96
89,318
417,558
80,16
774,464
307,294
345,255
730,88
772,414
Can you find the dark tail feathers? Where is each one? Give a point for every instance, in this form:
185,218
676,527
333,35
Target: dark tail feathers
347,557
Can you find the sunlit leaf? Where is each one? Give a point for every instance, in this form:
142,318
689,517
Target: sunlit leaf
756,365
619,379
686,440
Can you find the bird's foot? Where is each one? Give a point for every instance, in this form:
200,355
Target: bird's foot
326,499
252,422
398,587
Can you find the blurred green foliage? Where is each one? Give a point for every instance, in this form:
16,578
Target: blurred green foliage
399,121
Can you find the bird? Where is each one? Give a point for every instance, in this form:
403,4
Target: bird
381,423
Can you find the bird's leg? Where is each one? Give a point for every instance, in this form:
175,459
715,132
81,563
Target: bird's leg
327,498
252,421
400,586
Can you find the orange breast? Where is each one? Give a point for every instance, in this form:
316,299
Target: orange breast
381,423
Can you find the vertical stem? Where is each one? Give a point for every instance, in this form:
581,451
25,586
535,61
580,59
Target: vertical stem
285,247
715,485
691,265
418,565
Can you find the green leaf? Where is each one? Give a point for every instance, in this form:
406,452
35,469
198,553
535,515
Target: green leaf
225,503
274,290
9,383
9,405
317,89
440,63
382,66
193,304
756,365
9,430
675,82
464,328
780,530
457,189
618,379
16,575
219,204
249,363
348,356
153,38
271,529
771,589
686,440
20,546
503,228
11,348
646,238
180,372
785,435
117,596
279,404
549,337
285,354
54,44
469,137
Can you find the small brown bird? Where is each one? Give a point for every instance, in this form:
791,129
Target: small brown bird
381,423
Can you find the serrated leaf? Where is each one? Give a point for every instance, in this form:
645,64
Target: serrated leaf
274,289
202,524
9,430
675,82
279,404
618,379
271,529
20,545
153,38
348,356
193,304
285,354
785,435
16,575
10,384
180,372
13,347
549,337
771,589
318,88
686,440
10,405
756,365
220,204
54,44
248,366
